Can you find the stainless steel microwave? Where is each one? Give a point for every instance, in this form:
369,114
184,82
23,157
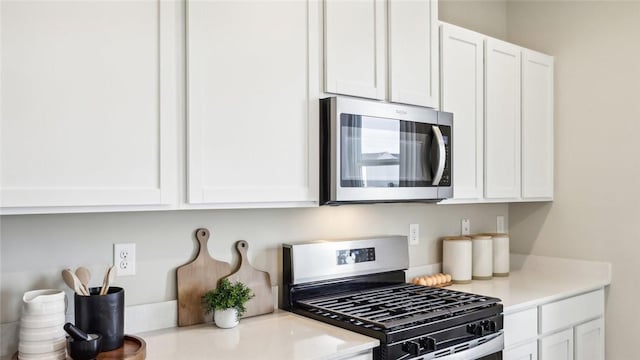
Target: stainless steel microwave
372,151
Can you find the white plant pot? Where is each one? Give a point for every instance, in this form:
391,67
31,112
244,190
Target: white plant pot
226,319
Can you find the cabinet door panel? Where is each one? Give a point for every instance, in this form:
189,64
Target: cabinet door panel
557,346
502,120
527,351
589,339
88,108
251,101
413,52
537,126
355,47
463,95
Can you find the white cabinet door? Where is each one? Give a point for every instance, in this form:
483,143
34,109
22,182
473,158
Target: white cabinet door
462,72
88,107
355,47
413,52
589,340
502,120
252,101
557,346
537,126
528,351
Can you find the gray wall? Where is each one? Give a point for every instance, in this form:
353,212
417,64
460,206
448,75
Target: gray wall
35,248
487,17
595,214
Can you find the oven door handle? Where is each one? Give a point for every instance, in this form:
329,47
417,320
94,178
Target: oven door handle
492,346
441,155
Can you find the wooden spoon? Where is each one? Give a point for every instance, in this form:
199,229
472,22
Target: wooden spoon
73,282
108,279
84,275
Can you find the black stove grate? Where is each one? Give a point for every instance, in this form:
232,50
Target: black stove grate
398,305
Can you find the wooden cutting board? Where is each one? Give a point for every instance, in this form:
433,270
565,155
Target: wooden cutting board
196,278
258,281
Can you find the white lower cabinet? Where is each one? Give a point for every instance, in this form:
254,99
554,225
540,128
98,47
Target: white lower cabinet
589,340
528,351
567,329
558,346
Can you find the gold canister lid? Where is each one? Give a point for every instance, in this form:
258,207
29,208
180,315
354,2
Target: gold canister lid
496,235
451,238
480,237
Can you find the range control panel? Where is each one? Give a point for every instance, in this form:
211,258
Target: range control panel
354,256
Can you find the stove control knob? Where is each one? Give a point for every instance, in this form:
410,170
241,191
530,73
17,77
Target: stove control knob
475,329
489,325
412,348
428,344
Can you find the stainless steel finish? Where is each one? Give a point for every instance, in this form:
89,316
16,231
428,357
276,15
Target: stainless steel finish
442,155
487,347
339,105
316,260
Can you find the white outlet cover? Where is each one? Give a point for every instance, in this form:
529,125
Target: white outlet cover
466,227
124,259
500,224
414,234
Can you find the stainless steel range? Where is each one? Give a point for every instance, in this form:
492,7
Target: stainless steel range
360,285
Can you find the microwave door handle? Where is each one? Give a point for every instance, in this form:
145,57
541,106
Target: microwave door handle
442,155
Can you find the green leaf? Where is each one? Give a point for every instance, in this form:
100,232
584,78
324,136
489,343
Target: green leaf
227,296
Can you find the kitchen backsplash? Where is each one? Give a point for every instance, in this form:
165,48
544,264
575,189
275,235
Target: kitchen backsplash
35,248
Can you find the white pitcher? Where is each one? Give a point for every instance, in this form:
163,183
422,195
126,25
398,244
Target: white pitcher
41,325
44,302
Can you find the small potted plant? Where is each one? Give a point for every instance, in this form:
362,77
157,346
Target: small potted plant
227,302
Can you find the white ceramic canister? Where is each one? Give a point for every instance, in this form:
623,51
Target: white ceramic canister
482,257
457,258
500,254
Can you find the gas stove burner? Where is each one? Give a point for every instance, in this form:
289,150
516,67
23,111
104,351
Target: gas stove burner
395,306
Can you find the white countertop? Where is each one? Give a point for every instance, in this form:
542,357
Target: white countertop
535,280
281,335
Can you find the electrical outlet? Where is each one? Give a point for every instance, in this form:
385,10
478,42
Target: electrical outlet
500,224
414,234
466,227
124,259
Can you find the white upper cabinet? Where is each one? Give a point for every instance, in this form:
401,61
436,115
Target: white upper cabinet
462,93
355,47
537,126
413,52
253,85
359,37
88,108
502,120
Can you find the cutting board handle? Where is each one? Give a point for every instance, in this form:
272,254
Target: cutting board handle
242,247
202,235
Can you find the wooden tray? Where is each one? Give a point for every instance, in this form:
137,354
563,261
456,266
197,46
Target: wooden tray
134,348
